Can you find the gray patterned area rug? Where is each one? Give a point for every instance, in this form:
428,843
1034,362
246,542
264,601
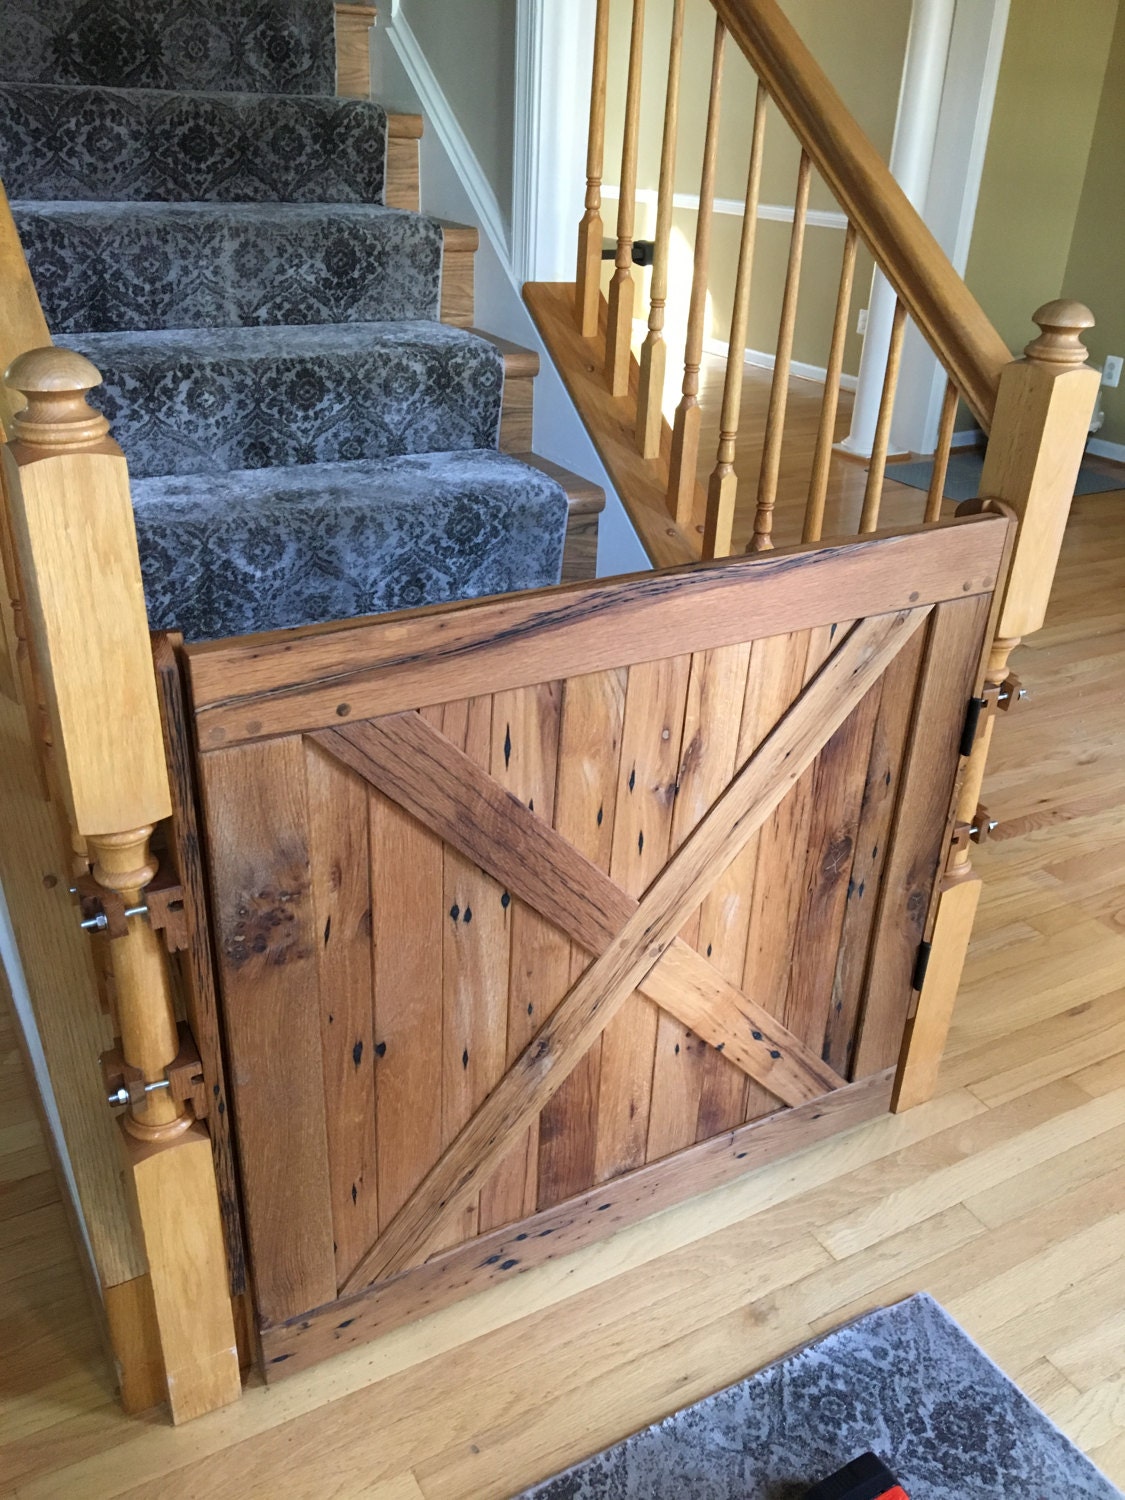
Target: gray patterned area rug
905,1383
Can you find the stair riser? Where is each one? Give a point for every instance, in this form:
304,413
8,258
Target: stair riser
263,46
120,144
187,415
190,267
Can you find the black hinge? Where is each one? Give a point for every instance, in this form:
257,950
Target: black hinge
972,724
644,251
921,964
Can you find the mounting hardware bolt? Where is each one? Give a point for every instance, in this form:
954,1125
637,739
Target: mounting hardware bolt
100,921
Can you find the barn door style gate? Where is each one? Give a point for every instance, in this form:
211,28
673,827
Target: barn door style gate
537,914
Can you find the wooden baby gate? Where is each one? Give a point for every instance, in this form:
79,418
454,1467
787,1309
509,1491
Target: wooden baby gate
535,915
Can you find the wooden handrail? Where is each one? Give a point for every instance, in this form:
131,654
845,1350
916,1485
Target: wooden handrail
946,312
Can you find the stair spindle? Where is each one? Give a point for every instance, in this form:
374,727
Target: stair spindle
654,351
941,456
873,493
623,289
723,487
826,430
779,389
591,229
685,431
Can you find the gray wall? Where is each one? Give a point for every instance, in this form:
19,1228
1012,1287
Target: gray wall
471,47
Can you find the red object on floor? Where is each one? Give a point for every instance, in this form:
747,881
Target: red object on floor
865,1478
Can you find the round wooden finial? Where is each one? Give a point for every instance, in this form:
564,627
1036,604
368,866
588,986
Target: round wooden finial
56,382
1062,323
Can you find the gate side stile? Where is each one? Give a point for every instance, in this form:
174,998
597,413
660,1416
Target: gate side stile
1035,449
72,523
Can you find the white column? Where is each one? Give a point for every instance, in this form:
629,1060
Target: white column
912,154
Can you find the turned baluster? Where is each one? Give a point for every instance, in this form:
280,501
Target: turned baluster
590,230
826,428
779,386
941,454
1039,430
654,350
877,468
685,428
79,570
723,487
623,287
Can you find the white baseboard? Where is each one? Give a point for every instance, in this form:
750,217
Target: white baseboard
440,116
762,360
1102,448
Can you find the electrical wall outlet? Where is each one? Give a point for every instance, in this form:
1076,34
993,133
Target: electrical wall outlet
861,326
1111,370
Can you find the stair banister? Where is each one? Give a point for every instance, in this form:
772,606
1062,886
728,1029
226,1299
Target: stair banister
946,312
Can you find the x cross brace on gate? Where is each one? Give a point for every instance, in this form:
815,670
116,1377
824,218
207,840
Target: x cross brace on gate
634,943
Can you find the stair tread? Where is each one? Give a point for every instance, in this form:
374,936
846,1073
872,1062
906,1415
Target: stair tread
105,265
91,142
208,399
266,549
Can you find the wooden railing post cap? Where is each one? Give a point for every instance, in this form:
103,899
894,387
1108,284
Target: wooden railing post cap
57,416
1061,324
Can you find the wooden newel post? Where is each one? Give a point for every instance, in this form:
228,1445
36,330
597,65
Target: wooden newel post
1039,431
72,521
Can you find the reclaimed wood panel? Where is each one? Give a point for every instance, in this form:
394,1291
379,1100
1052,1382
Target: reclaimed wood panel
340,876
525,745
407,897
267,951
708,756
592,718
953,652
652,731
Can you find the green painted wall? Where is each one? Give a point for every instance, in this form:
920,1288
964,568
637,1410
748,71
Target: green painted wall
1043,124
1095,269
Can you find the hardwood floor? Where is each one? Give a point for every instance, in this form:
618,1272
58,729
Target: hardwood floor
1004,1196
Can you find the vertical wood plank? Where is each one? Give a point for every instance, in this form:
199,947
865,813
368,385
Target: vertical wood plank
712,721
953,652
257,816
475,962
590,732
837,799
340,873
525,744
407,906
775,903
774,678
880,794
655,700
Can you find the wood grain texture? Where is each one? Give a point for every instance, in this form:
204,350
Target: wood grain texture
956,639
458,275
267,949
339,868
601,992
424,773
566,1227
268,685
642,828
525,746
353,51
200,989
593,710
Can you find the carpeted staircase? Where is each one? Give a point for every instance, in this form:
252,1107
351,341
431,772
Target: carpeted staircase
206,222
